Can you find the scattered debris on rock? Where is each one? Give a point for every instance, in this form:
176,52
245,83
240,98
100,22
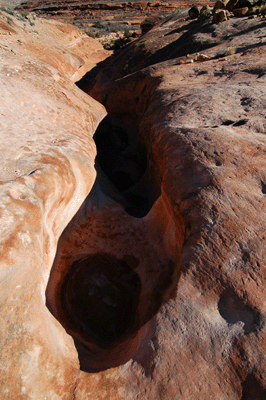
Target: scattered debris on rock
224,9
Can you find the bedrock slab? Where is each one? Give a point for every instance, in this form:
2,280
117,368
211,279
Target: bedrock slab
203,124
47,169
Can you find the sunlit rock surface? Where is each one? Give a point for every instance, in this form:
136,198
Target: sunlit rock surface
47,169
178,192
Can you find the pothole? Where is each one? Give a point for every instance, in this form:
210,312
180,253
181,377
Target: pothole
111,275
104,300
100,295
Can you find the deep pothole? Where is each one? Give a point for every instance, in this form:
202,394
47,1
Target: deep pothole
104,301
100,295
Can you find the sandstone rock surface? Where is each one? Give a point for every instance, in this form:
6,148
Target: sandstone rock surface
47,169
204,126
180,193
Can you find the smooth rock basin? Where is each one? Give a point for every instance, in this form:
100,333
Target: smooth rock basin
118,260
110,277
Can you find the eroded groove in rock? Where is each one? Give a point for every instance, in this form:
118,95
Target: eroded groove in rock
111,275
118,260
203,126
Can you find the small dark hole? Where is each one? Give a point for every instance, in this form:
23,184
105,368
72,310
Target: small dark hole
32,172
202,72
228,122
138,205
241,122
234,309
263,188
252,389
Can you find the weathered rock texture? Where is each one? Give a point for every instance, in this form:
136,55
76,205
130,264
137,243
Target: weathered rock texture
47,158
203,124
180,190
10,3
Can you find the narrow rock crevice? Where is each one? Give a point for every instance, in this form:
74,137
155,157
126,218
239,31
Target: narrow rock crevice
124,160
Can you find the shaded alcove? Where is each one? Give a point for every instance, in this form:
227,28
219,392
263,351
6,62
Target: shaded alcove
104,302
96,299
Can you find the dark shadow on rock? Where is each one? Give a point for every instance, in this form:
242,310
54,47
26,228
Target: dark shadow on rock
252,389
251,28
124,162
87,81
188,42
235,310
100,294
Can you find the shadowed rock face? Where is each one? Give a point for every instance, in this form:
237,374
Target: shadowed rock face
90,307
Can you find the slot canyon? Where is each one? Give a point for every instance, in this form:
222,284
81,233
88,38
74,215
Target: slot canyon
133,211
